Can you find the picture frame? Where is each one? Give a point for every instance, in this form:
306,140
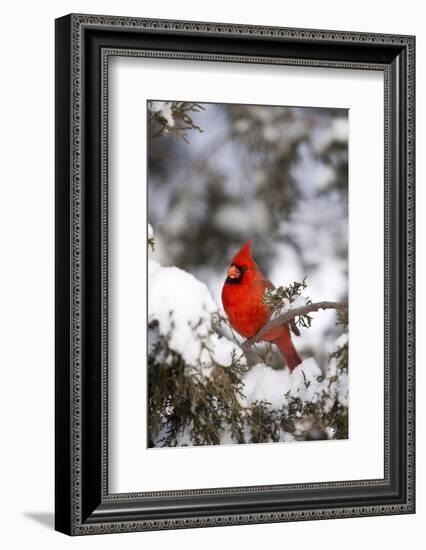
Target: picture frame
83,503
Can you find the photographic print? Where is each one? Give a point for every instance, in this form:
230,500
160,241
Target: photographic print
204,270
209,301
248,222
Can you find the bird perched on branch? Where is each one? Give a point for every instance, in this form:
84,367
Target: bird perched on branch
243,301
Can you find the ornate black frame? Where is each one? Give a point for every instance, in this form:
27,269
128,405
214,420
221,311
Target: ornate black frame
83,45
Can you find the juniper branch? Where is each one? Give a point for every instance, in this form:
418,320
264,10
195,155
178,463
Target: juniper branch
288,316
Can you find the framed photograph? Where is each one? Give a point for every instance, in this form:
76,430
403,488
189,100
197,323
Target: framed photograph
234,274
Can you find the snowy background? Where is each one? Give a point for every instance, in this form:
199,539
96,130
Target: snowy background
219,175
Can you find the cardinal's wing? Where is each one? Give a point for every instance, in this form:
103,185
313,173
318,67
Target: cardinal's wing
266,283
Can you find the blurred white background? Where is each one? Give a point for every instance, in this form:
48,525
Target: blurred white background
274,174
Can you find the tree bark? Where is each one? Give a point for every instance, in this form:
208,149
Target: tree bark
288,316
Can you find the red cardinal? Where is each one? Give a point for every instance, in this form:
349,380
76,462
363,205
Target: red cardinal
242,298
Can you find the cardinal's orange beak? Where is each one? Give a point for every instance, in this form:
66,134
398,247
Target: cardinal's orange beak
233,272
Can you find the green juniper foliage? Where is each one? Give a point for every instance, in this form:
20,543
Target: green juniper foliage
175,118
282,298
151,243
182,398
205,405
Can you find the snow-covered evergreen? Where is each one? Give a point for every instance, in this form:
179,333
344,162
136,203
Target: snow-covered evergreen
202,389
219,174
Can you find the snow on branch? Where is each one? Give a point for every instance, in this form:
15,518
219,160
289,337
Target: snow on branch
288,316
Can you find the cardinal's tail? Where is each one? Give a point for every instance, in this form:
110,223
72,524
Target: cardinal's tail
287,351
